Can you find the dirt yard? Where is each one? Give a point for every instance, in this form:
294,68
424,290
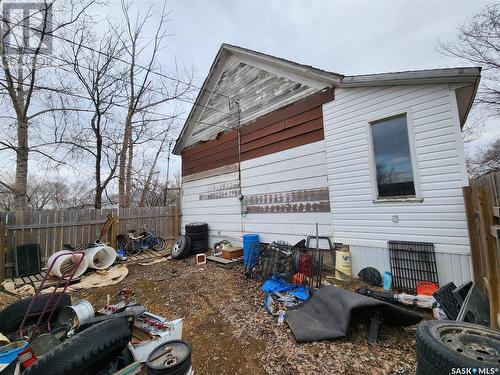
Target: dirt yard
231,333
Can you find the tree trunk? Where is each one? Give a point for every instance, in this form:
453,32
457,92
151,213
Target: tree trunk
20,201
95,123
128,190
122,167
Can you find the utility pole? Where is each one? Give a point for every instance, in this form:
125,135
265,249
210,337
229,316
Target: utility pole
165,194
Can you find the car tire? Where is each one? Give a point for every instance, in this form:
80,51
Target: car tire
181,248
86,352
196,227
446,345
198,236
12,316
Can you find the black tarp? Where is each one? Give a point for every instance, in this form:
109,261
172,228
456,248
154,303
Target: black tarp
327,314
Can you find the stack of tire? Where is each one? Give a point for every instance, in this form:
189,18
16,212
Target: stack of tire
194,242
198,234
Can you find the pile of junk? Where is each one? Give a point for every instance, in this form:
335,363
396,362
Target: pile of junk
48,334
297,291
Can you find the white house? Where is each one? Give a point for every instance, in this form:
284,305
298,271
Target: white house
274,147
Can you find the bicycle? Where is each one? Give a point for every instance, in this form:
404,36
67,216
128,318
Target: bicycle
142,239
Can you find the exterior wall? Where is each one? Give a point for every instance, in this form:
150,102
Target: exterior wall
286,194
440,170
213,198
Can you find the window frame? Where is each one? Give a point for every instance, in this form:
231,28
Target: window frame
417,198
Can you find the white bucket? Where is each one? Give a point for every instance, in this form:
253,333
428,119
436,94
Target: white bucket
76,315
100,257
64,262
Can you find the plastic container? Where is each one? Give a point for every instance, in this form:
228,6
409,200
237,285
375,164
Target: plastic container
426,288
9,352
343,265
387,280
64,262
250,249
77,314
100,257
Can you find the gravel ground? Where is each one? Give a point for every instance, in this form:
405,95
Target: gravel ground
232,334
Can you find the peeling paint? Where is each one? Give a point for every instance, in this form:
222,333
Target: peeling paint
221,191
298,201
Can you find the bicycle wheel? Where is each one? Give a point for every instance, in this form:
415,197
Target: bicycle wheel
158,244
133,248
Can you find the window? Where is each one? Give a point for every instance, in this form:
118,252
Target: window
392,158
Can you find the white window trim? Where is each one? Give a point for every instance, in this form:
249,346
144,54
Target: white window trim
413,156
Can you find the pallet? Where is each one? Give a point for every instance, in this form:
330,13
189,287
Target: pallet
36,279
146,255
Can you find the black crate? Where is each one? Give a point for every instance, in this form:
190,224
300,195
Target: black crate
27,260
411,262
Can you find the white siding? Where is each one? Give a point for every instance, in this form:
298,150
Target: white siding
296,169
223,215
451,267
440,171
301,168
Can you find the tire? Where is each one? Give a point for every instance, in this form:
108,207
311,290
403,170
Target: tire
181,248
199,246
198,236
196,227
12,316
446,345
86,352
181,350
133,248
159,244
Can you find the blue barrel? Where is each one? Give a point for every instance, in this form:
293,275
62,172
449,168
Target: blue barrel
250,249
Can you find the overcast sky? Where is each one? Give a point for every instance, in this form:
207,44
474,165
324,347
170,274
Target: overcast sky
348,37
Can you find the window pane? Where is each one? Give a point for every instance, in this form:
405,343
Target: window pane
392,158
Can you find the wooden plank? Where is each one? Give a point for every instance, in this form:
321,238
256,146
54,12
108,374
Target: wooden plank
490,249
474,238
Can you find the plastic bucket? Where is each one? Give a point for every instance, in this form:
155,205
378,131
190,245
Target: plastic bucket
100,257
250,249
343,265
64,262
77,314
9,352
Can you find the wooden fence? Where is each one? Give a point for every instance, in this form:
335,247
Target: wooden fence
482,204
53,228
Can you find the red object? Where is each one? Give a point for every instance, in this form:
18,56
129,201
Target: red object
27,357
426,288
54,298
298,279
305,264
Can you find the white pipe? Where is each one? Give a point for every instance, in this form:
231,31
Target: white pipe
100,257
64,262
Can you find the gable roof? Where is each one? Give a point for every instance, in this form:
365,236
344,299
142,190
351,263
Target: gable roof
320,79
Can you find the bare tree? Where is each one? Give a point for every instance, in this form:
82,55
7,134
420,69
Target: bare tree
95,63
145,89
484,160
22,68
478,42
